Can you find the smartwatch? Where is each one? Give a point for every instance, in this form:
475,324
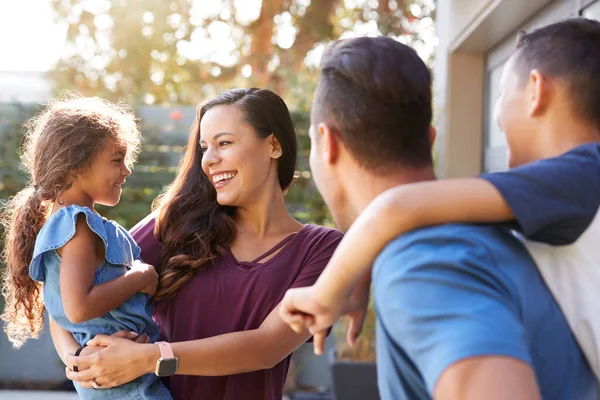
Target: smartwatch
167,364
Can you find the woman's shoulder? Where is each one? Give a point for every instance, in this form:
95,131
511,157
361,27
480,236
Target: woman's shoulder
318,238
145,225
143,234
316,231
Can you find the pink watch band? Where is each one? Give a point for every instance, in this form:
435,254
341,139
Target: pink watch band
166,351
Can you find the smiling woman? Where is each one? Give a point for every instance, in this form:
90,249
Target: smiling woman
226,250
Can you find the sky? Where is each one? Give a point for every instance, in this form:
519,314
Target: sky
30,40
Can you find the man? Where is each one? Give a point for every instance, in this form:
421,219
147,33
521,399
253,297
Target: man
462,310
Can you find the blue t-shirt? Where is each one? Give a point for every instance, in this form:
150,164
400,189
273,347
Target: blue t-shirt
451,292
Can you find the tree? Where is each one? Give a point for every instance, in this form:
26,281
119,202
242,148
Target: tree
184,51
178,52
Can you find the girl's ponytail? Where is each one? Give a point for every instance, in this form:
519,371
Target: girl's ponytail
23,217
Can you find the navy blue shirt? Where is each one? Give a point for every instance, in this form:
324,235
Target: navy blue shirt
554,200
556,205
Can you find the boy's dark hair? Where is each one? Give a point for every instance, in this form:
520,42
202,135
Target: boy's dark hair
570,51
375,93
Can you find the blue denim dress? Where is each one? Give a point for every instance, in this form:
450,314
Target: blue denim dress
133,315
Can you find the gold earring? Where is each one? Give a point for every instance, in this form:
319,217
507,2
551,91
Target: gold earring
277,153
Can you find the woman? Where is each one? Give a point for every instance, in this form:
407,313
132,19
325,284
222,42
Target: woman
227,251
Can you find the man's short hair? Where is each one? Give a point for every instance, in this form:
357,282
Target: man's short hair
375,92
570,51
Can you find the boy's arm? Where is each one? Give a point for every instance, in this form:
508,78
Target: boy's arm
400,210
394,212
82,300
551,200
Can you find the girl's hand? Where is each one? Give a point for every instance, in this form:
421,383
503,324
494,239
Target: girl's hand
119,362
147,274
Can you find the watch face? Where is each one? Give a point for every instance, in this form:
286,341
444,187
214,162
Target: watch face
167,367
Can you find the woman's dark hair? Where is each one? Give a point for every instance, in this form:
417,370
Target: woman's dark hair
191,225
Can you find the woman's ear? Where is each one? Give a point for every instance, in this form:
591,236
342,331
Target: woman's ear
275,148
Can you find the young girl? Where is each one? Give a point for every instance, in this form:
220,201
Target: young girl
78,153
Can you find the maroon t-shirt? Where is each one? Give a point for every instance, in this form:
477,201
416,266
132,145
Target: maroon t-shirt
232,296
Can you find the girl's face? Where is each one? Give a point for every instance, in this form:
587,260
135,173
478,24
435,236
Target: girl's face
102,182
241,165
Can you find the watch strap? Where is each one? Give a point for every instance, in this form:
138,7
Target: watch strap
166,351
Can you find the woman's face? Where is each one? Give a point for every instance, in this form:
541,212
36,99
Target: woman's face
240,165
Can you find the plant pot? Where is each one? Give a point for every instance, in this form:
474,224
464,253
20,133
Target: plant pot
353,380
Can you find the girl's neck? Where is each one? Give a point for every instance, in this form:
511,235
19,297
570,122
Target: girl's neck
73,196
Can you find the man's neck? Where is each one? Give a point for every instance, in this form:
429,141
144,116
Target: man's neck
366,186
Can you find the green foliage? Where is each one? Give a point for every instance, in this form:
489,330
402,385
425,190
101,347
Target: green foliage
187,51
164,142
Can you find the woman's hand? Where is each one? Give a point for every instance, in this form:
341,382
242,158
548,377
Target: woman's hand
118,361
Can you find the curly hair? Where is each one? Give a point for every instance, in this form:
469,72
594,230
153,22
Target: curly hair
59,142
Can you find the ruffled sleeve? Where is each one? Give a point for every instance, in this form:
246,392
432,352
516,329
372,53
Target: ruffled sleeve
120,249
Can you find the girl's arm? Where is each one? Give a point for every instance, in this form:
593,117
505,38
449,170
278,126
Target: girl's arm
82,300
231,353
63,341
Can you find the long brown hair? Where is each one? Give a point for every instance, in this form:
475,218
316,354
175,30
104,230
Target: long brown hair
59,143
192,226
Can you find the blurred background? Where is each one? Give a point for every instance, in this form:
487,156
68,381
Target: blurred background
164,58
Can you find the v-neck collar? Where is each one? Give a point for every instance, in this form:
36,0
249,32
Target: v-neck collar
248,266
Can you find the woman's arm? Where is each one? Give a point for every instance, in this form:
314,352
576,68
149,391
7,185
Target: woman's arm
82,300
394,212
227,354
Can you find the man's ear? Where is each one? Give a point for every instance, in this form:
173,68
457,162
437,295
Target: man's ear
329,143
432,136
539,93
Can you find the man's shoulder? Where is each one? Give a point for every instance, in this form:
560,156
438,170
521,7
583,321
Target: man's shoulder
468,249
450,235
